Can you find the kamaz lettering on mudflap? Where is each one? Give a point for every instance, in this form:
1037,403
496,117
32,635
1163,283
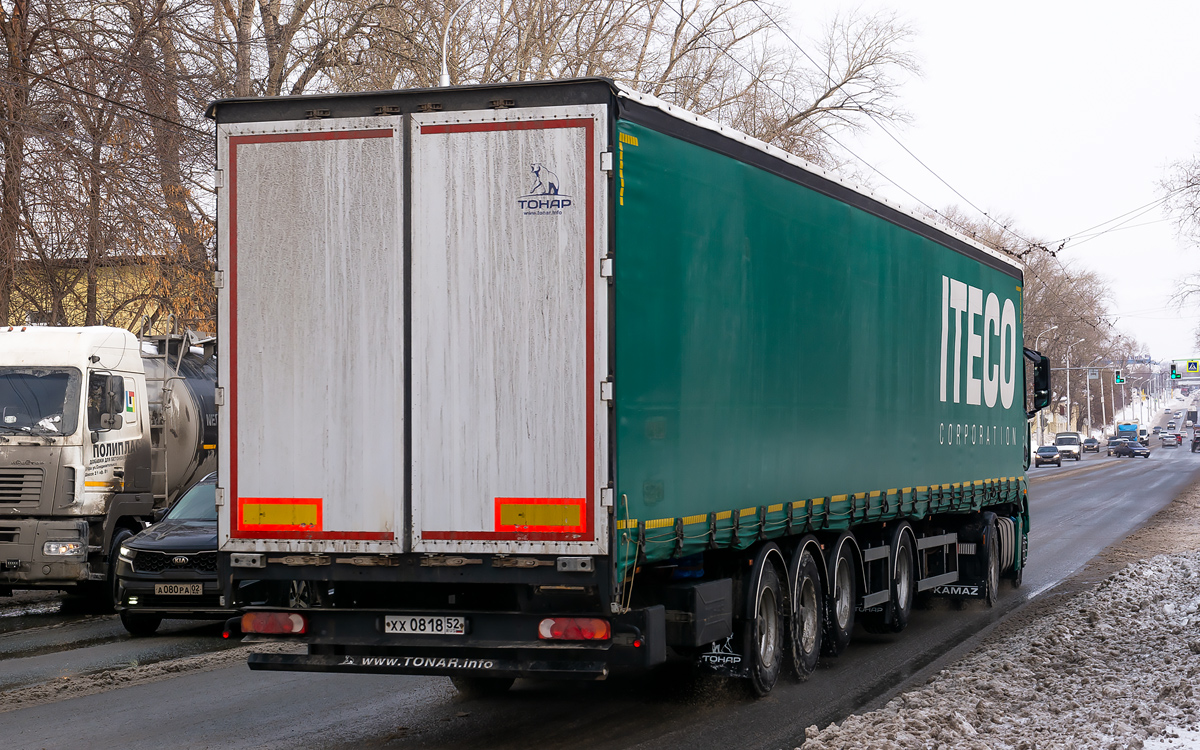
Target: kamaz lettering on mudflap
571,353
98,429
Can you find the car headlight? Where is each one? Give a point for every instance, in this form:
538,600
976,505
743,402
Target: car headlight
126,554
62,548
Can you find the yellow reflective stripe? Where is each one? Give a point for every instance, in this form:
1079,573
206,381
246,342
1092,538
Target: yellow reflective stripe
279,514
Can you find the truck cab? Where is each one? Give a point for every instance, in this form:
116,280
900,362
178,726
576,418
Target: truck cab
73,434
83,451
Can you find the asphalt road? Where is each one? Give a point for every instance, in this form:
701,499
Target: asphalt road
1077,511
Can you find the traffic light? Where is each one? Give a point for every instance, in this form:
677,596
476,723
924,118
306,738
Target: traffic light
1118,378
1175,372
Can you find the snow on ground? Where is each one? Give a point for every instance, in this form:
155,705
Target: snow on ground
1113,667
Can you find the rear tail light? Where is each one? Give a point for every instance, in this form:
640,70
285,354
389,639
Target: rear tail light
574,629
274,623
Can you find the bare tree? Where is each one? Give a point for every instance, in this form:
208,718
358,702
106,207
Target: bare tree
731,60
1181,188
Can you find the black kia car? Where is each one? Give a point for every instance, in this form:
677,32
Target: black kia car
169,570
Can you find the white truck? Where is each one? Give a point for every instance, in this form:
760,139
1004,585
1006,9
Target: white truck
1070,444
98,429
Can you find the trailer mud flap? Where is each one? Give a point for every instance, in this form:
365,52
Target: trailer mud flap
429,665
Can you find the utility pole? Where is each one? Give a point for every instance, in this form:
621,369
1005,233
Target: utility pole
1103,416
1089,402
1037,345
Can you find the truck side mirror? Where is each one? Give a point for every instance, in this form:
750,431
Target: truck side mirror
1041,380
113,402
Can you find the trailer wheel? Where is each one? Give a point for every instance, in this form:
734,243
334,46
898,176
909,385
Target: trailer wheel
764,633
481,687
992,580
807,612
843,597
903,582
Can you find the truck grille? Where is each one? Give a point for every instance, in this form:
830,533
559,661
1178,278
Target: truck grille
20,486
157,562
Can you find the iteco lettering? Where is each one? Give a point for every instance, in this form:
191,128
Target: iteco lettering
971,324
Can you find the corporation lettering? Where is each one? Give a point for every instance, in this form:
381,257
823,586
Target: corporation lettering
957,433
979,352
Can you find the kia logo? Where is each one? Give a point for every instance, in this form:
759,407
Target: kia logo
180,560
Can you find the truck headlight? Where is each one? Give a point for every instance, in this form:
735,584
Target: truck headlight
62,548
126,554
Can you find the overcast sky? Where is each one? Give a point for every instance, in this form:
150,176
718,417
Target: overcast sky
1062,115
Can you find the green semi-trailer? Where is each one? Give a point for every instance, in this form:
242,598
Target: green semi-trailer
656,390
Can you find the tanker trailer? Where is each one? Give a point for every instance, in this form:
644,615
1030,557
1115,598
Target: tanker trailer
98,429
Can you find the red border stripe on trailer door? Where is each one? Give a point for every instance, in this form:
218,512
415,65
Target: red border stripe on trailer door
236,531
588,125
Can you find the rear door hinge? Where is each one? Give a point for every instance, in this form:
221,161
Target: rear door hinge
220,496
606,161
218,178
219,396
606,267
219,279
606,390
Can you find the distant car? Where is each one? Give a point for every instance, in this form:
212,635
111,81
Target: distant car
169,570
1091,444
1047,454
1157,429
1171,425
1114,443
1168,440
1131,449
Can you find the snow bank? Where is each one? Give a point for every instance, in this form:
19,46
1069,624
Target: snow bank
1110,668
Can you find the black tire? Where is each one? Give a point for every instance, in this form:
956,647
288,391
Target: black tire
764,634
140,625
806,620
102,595
843,597
991,579
904,582
482,687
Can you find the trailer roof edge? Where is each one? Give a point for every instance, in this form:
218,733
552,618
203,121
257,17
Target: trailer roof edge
683,115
